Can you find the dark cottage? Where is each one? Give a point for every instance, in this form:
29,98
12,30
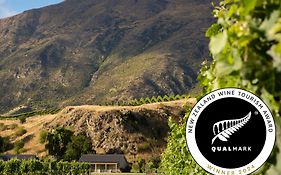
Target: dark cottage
6,157
109,163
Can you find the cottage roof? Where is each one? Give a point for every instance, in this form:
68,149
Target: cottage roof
16,156
105,158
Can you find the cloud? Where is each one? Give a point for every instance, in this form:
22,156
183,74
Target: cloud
5,11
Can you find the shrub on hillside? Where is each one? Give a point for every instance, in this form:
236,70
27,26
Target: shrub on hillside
18,145
12,126
3,127
20,131
43,136
143,147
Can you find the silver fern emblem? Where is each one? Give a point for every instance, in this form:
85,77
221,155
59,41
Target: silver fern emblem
224,129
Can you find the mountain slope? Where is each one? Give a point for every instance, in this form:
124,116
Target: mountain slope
92,51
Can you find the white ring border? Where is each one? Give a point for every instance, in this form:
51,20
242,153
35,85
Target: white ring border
261,158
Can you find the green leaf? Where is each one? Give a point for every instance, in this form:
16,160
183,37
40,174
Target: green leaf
246,48
249,5
232,10
213,30
269,23
275,53
218,42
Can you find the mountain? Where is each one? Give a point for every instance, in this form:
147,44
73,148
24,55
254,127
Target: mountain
92,51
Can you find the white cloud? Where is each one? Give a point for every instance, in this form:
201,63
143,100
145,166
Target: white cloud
4,11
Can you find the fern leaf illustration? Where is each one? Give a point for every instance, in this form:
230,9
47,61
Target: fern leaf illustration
224,129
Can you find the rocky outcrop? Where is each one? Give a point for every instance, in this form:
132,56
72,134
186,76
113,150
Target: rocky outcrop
129,130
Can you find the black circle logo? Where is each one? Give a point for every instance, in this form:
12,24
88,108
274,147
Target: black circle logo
230,131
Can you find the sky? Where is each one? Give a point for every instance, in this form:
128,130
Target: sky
13,7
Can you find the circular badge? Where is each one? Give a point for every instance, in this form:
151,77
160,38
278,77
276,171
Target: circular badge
230,131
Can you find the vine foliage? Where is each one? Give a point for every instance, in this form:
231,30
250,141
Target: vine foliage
34,166
245,44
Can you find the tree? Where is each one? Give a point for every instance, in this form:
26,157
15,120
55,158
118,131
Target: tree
57,142
22,119
63,144
245,44
4,144
79,144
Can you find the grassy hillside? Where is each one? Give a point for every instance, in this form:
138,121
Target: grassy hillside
137,131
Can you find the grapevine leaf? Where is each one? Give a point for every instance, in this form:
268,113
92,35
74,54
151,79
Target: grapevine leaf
275,53
218,42
249,5
269,23
213,30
